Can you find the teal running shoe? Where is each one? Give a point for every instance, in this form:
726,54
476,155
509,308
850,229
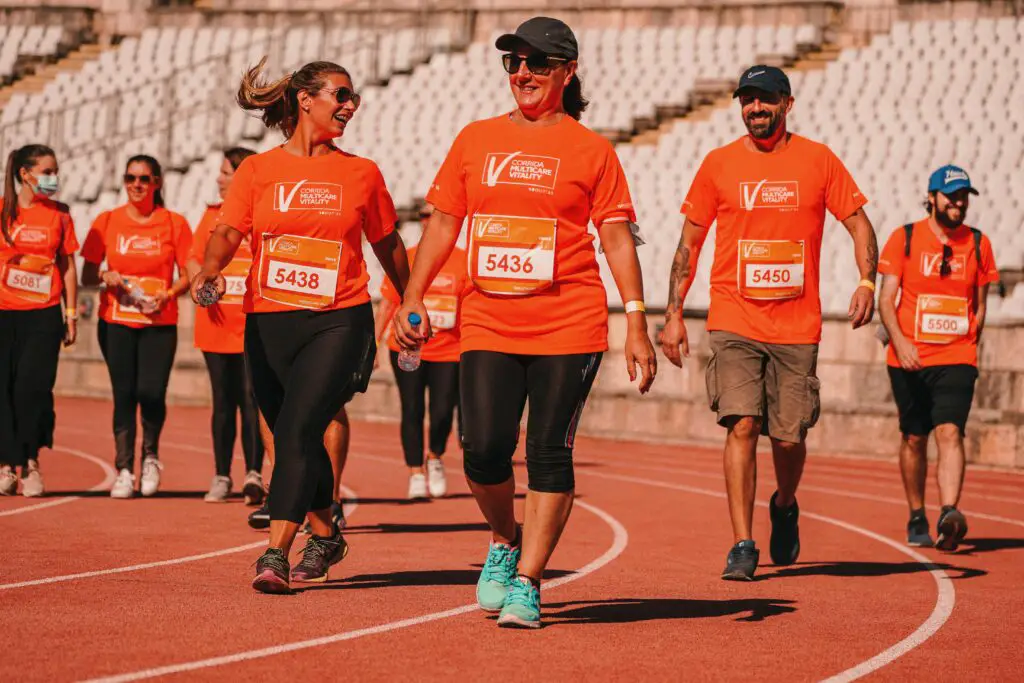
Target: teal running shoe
498,573
522,606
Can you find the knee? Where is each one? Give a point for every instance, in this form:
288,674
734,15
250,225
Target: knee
487,458
549,468
787,447
916,442
947,434
745,427
151,397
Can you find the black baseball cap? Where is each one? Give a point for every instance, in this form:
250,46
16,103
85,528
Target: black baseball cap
550,36
765,78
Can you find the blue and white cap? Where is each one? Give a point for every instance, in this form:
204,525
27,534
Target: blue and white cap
949,179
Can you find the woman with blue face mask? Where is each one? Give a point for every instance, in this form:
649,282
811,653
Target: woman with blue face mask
37,271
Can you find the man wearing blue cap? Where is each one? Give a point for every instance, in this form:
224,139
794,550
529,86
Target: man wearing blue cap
942,270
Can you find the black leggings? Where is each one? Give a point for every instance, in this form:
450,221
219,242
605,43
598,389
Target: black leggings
442,381
305,366
29,349
139,362
495,387
232,393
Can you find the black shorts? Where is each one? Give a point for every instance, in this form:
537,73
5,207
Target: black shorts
933,396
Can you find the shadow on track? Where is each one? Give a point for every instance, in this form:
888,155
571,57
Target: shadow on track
429,577
867,569
970,546
424,501
629,610
417,528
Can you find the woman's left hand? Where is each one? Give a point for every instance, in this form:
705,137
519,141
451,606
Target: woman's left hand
70,331
156,302
640,352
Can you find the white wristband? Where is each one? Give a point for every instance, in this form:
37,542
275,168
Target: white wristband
635,306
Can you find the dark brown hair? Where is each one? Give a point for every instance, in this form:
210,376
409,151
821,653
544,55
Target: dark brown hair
154,168
236,155
278,100
573,100
23,158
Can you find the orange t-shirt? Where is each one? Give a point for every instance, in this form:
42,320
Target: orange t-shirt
442,300
770,210
529,194
306,217
145,253
29,278
938,313
220,328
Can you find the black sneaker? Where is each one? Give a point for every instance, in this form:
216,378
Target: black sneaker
272,572
260,518
338,515
785,542
917,531
741,563
318,556
952,528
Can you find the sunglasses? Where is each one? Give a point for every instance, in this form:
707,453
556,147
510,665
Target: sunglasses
425,216
130,178
538,63
344,95
946,268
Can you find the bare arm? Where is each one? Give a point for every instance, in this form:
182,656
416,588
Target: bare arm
865,247
979,314
391,253
906,352
684,266
434,248
69,274
91,274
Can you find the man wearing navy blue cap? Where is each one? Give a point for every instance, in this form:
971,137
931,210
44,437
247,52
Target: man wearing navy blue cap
768,191
942,270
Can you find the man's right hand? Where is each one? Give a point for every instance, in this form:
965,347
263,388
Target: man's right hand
906,354
205,276
673,337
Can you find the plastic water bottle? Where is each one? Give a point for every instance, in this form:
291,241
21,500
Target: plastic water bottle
136,296
409,359
207,295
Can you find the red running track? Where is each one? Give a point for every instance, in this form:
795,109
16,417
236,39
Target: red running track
94,588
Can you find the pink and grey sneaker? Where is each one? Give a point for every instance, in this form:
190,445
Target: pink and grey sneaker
318,556
272,572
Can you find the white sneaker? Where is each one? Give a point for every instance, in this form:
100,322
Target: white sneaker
8,481
252,488
32,481
220,489
124,485
417,486
150,476
436,479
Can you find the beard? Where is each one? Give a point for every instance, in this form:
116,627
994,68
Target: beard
951,218
763,125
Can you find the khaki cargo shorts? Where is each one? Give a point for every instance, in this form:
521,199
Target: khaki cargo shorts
775,382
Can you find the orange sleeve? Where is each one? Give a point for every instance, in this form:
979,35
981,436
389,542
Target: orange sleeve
842,196
202,235
989,272
69,245
701,203
380,211
611,201
236,211
448,192
182,240
891,260
95,248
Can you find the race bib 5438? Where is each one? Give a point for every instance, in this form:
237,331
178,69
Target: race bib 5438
299,271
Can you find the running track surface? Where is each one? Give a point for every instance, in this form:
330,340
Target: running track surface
97,588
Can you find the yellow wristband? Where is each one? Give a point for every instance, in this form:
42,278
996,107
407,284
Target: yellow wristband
72,313
867,283
635,306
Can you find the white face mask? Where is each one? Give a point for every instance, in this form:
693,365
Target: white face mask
47,185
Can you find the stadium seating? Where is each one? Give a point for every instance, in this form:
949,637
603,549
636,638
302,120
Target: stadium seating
26,40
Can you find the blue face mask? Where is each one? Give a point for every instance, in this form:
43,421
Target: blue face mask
48,185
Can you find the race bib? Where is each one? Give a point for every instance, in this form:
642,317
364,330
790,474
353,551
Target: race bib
31,278
234,278
442,310
124,311
512,255
299,271
770,269
941,319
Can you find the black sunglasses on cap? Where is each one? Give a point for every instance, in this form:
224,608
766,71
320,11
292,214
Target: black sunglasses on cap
537,63
343,95
946,268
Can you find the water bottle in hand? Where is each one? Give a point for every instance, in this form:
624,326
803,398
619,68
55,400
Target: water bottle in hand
207,294
409,359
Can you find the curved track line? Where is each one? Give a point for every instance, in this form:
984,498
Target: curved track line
107,482
619,542
944,601
349,509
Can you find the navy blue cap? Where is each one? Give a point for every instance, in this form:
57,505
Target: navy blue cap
766,78
949,179
550,36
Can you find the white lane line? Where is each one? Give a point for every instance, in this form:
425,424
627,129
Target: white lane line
107,482
944,601
620,539
348,507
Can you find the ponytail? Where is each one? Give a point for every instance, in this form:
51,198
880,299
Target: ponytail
279,100
154,168
20,159
573,100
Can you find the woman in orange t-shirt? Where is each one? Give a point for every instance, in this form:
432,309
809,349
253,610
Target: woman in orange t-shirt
535,321
437,374
305,206
36,270
142,243
219,331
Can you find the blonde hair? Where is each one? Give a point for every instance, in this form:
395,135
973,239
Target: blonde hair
278,100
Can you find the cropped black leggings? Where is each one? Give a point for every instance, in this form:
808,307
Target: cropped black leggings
29,348
305,366
495,387
233,394
139,362
441,380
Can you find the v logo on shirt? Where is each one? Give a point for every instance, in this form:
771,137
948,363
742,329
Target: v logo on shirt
750,193
285,202
143,245
494,169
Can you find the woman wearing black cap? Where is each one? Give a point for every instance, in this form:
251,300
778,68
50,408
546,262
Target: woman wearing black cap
535,319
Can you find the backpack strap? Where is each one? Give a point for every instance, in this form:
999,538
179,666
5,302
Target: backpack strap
908,233
977,246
